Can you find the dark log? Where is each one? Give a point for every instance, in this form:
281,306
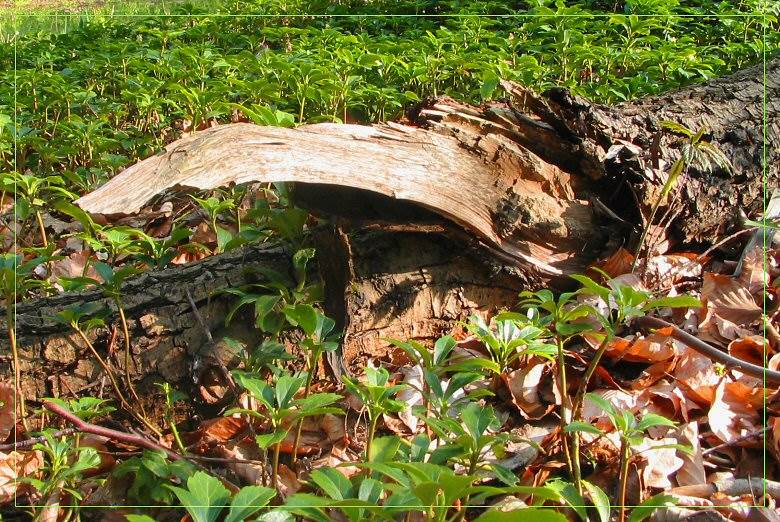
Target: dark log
453,212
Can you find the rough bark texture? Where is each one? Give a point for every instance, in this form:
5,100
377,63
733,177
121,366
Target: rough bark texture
452,213
740,115
167,340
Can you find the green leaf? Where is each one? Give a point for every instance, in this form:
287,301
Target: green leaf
302,315
653,419
646,508
267,440
248,501
204,498
678,301
570,496
139,518
332,482
223,237
384,449
600,500
584,427
505,475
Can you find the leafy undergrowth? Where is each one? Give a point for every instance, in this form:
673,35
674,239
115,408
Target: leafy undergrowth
562,407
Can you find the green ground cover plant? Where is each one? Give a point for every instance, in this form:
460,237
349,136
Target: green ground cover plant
80,103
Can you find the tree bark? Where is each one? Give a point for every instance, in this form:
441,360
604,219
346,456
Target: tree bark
460,207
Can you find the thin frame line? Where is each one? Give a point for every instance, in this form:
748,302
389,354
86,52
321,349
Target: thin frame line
763,16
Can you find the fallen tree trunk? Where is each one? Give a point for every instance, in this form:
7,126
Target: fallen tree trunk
461,207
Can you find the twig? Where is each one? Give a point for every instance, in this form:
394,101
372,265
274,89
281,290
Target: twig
754,370
94,429
748,436
121,436
35,440
731,487
224,460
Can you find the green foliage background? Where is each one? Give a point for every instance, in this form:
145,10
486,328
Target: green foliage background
115,89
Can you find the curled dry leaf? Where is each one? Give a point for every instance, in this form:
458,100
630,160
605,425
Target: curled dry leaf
411,396
715,329
735,411
753,276
653,373
696,374
621,400
523,385
668,270
692,470
753,349
660,462
617,264
222,429
14,466
669,400
245,450
339,455
7,417
658,346
288,482
729,299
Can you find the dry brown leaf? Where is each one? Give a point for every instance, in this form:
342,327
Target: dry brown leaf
411,396
653,373
696,373
523,385
7,417
73,266
617,264
658,346
753,276
668,270
753,348
621,400
729,299
734,411
250,472
222,429
288,482
715,329
669,400
692,471
660,462
16,465
339,455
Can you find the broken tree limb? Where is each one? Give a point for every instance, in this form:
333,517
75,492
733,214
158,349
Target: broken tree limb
168,343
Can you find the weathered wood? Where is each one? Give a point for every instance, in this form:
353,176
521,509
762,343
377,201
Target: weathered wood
453,212
166,338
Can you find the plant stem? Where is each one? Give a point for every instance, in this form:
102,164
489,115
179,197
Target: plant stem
175,432
575,412
594,363
275,469
562,390
306,391
128,380
114,383
42,228
624,449
9,313
371,430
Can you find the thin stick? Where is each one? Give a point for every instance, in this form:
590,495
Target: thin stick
754,370
35,440
121,436
748,436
